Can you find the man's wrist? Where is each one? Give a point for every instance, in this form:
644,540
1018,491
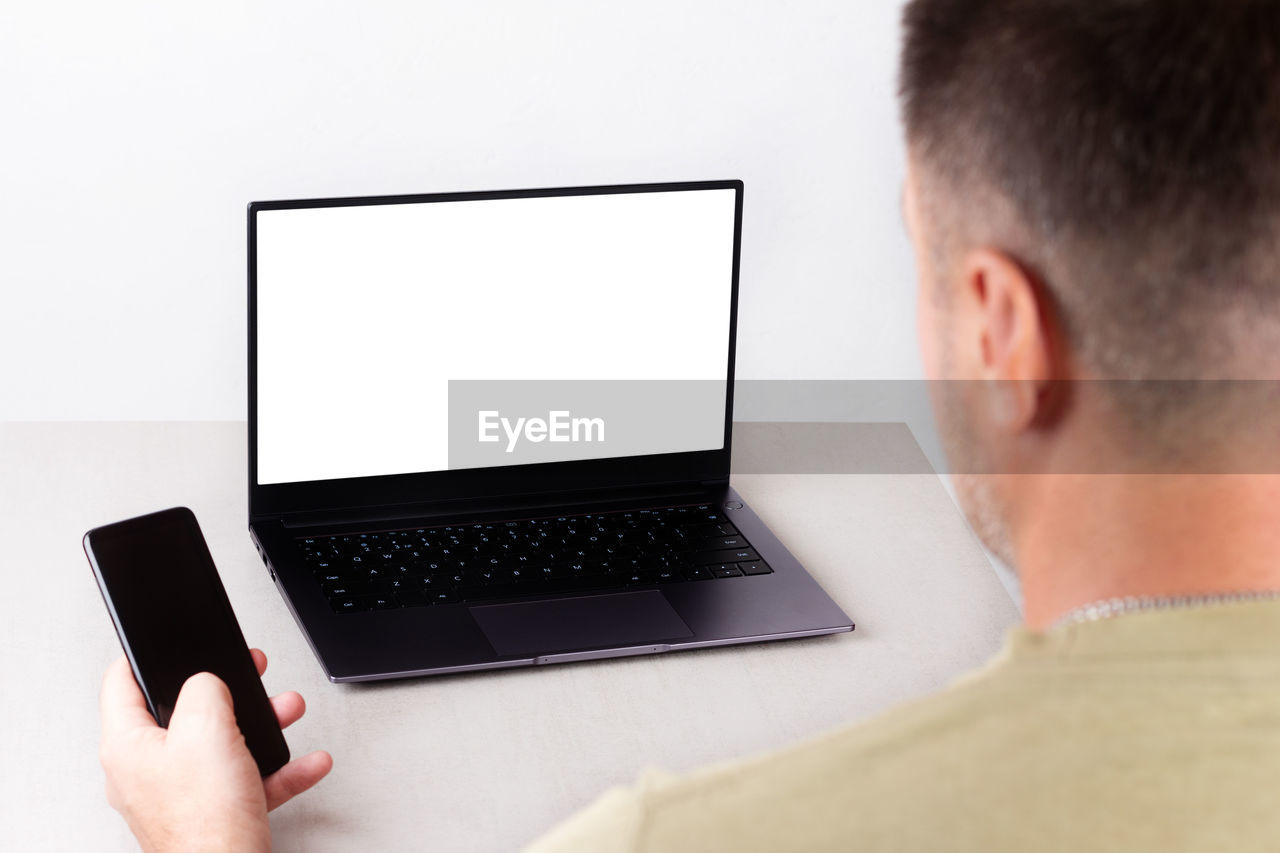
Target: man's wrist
205,838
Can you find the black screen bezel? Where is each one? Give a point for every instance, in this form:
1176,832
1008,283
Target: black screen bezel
443,487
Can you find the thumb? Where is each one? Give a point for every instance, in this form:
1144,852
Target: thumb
204,702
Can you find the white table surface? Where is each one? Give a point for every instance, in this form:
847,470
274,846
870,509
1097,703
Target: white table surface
470,762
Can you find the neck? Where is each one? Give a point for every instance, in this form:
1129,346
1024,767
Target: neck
1086,538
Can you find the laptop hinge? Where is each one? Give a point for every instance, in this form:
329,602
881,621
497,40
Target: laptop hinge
479,507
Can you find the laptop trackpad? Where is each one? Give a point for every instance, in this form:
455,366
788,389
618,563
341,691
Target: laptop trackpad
621,619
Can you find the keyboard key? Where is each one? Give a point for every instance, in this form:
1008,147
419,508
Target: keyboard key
727,573
504,590
737,555
722,542
755,567
572,584
351,604
411,598
346,590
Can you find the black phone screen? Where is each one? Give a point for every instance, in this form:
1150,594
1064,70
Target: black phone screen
174,620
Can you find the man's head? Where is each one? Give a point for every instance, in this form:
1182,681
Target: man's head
1094,193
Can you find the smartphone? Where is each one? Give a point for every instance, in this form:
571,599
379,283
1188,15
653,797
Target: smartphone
173,618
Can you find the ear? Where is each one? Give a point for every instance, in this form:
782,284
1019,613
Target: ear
1011,337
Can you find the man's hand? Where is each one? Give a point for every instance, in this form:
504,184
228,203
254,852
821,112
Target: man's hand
194,785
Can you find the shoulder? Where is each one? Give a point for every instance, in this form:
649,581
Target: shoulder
820,794
1099,738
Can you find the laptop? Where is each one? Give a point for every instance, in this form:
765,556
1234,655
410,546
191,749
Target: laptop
493,429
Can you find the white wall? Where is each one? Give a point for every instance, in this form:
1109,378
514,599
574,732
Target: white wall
134,134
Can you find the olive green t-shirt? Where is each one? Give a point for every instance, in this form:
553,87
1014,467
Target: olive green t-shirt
1148,731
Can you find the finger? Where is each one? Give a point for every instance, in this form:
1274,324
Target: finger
289,708
259,660
121,700
295,777
203,701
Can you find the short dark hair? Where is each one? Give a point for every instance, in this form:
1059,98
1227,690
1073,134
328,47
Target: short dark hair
1136,144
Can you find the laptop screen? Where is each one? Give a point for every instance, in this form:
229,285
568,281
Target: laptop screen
433,335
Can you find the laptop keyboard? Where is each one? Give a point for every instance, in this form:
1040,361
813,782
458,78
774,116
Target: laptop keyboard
473,562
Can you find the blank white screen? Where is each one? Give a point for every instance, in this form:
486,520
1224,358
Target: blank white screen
366,312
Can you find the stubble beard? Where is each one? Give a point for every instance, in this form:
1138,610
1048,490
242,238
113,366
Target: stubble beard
973,470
